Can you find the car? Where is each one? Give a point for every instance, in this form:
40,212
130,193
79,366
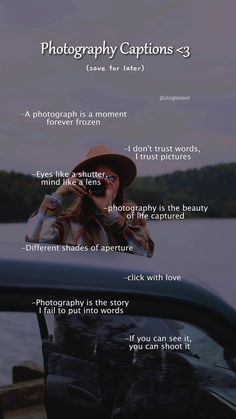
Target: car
169,351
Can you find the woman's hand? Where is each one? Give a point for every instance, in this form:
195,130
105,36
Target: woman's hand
102,202
72,186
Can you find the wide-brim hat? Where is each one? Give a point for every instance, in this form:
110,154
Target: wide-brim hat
100,153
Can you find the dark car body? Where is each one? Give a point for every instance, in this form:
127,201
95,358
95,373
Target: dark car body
27,276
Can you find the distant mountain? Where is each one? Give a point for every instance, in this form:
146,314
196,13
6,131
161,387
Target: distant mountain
214,186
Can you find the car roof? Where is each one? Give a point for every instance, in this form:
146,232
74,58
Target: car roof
101,272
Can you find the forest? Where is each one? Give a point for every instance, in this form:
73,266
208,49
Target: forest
214,186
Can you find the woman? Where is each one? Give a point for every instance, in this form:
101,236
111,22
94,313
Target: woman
89,220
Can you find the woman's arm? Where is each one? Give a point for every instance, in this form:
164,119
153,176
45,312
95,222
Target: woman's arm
43,225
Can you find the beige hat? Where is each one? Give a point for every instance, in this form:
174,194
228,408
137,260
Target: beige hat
99,153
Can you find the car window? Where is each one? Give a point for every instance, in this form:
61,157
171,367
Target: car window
135,364
204,345
138,333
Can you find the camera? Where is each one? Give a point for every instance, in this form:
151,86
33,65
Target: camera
95,185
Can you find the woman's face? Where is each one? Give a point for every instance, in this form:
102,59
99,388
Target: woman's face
110,172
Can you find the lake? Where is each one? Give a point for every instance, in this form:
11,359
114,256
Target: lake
200,249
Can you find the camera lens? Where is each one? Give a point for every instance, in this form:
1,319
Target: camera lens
96,186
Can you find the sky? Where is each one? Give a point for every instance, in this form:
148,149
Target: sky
34,82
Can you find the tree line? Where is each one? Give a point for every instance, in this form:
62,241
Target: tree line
213,186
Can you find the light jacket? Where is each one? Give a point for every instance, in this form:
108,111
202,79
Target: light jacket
47,225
